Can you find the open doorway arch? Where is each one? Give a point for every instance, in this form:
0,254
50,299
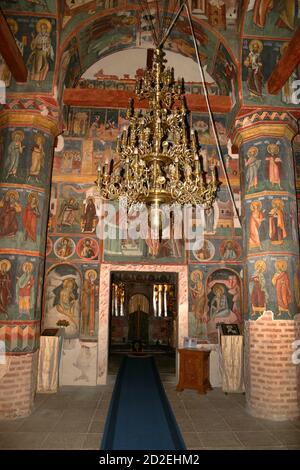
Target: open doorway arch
104,308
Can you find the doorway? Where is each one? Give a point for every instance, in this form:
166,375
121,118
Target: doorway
143,318
104,308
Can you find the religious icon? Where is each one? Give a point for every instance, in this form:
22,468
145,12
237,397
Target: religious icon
89,293
287,13
5,287
25,290
230,250
281,283
219,303
64,247
198,298
277,231
274,160
9,208
87,248
258,289
206,252
30,216
226,299
252,165
42,51
209,215
37,157
254,65
15,150
67,216
256,219
66,295
89,219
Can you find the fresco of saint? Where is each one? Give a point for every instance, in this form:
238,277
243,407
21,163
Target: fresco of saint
42,51
67,214
89,219
37,157
25,290
31,215
274,160
254,65
252,165
281,283
9,208
277,231
256,219
15,150
198,298
258,290
5,286
90,290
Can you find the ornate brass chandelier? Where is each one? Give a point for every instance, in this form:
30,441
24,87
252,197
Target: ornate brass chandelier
160,160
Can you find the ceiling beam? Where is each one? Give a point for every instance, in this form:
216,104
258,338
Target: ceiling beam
10,52
286,65
98,98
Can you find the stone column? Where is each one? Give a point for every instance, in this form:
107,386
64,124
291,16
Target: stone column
271,274
26,150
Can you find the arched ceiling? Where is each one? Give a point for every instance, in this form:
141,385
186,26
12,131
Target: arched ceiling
102,35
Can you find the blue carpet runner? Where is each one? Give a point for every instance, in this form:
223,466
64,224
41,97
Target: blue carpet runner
140,416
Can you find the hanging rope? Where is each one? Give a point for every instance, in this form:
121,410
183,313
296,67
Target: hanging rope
213,125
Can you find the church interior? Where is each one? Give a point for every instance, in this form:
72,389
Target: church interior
194,103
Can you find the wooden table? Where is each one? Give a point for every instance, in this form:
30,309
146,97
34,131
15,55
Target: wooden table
193,370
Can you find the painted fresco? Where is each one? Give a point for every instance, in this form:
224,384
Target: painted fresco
70,67
259,58
25,156
270,224
38,38
20,277
62,300
34,6
273,286
22,218
74,209
268,166
269,18
89,302
214,297
72,295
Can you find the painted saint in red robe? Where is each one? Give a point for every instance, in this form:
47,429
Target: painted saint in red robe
9,208
281,283
30,217
256,219
5,286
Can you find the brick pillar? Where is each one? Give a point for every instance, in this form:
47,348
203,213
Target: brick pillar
271,274
27,143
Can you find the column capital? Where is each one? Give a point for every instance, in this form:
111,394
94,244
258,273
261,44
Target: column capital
264,123
24,118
